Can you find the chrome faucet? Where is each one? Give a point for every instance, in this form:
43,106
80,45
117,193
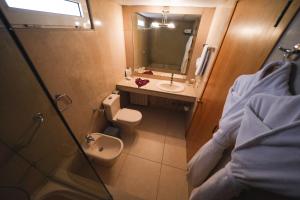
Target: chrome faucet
89,138
171,81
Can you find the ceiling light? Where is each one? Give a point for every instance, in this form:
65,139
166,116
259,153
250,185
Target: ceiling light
155,25
164,21
171,25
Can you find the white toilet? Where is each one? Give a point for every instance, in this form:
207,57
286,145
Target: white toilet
126,118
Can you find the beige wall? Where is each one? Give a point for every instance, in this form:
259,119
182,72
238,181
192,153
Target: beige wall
215,37
16,111
22,100
47,145
85,64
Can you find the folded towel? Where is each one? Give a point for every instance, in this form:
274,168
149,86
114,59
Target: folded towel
141,82
205,62
200,62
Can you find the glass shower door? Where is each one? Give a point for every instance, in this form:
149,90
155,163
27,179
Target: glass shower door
39,156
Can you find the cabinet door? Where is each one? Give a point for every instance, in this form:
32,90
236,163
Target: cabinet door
250,37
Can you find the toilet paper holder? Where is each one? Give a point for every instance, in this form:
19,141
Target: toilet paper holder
101,110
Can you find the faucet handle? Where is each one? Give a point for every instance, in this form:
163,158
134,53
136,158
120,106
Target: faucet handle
89,138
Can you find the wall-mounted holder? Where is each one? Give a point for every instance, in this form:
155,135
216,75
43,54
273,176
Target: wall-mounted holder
65,99
291,54
101,110
212,49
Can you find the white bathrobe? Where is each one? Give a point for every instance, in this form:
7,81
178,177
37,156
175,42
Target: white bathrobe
266,154
244,87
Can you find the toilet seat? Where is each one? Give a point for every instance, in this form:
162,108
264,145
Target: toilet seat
126,115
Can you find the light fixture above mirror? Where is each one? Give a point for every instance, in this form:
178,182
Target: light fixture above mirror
164,21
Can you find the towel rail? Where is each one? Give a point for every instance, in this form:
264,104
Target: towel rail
65,98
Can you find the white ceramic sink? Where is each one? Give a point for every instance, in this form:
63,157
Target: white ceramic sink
168,87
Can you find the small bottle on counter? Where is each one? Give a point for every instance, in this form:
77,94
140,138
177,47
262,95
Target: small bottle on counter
128,73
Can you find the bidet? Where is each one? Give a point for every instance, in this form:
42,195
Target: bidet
104,149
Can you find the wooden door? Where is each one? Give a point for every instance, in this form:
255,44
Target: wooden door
250,37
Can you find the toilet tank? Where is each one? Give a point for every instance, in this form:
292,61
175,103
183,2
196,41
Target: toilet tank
111,105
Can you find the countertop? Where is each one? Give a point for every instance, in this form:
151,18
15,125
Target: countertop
188,94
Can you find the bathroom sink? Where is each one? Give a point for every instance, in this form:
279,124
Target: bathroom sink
168,87
105,149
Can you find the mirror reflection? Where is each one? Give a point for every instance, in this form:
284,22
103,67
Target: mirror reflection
163,42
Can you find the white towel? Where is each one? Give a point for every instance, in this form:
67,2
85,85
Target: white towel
186,55
200,61
266,153
220,186
276,83
205,63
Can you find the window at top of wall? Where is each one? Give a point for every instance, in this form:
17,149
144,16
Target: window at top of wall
47,13
52,6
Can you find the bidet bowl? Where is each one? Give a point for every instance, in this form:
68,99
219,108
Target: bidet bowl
168,87
105,149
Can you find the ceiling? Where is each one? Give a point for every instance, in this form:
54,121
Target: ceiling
189,3
175,17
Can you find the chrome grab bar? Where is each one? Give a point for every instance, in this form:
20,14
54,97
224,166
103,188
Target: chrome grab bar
66,98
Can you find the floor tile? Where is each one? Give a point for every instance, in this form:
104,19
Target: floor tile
154,121
139,177
128,140
175,152
176,125
172,184
148,145
110,174
121,195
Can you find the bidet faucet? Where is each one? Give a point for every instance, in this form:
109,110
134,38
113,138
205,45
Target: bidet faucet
171,81
89,138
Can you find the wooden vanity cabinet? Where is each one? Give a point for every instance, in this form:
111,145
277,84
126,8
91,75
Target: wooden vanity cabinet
250,37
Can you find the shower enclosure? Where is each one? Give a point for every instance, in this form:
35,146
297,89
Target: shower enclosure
39,156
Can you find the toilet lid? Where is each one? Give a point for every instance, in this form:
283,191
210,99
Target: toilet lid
129,115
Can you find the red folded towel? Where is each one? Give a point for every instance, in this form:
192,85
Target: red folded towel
140,82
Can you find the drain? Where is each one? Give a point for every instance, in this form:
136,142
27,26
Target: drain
100,149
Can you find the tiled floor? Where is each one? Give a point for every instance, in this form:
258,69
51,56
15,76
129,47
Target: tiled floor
152,167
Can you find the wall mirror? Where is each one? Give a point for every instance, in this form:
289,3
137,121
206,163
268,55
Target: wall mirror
163,42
